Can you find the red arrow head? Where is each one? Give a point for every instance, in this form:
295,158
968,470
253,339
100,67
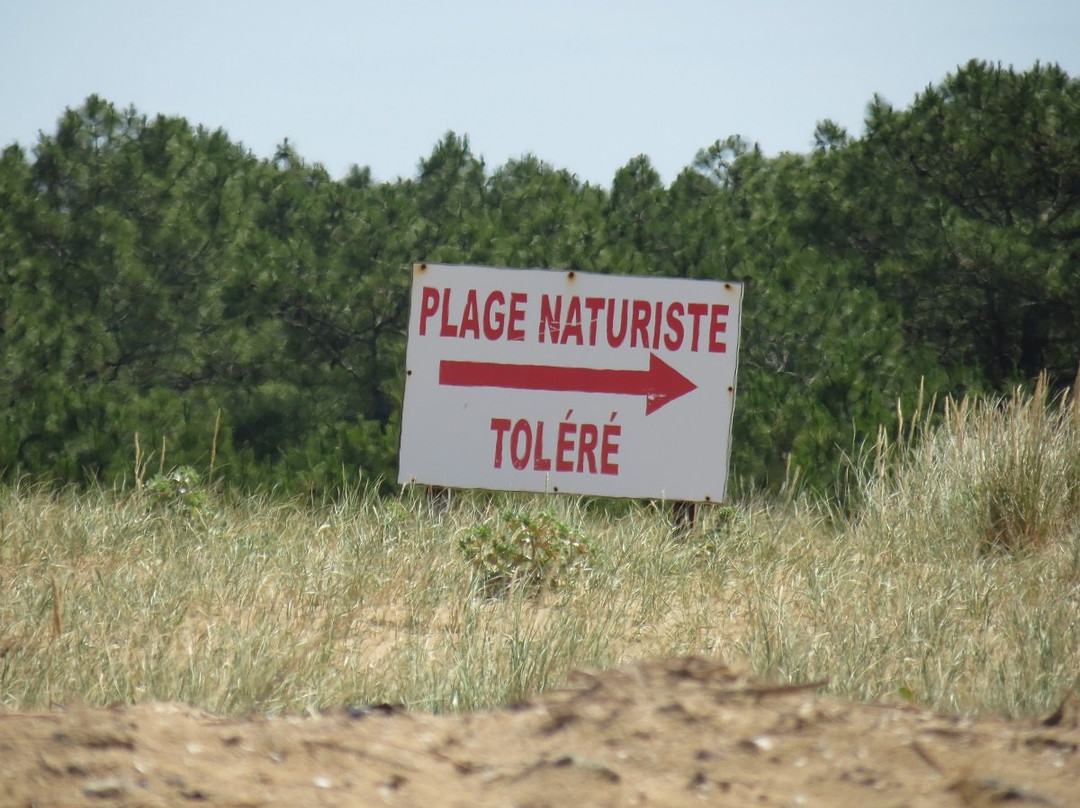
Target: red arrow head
665,384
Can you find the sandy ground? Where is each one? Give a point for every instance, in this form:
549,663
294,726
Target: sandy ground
672,733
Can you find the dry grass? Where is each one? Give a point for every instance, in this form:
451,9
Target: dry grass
955,584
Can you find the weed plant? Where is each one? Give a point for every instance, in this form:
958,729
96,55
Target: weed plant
517,549
953,583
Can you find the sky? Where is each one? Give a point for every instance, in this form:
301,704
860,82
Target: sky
584,85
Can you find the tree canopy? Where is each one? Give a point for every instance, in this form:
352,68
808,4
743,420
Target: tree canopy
158,280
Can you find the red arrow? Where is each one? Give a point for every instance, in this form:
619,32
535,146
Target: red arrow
660,384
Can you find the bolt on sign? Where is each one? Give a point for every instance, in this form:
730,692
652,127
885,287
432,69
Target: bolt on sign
568,382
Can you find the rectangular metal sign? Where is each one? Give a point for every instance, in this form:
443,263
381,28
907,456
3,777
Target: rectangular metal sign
568,382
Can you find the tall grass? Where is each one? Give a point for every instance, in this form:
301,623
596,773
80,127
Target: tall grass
954,583
1002,474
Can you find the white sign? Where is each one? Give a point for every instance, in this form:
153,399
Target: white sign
542,380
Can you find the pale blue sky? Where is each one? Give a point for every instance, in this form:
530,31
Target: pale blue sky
585,85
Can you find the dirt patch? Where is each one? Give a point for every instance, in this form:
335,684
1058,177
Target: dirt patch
678,732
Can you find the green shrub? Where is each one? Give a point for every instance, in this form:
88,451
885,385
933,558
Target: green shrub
180,489
536,552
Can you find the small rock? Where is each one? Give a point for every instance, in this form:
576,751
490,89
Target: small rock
107,788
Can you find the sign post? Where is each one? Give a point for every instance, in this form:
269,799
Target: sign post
568,382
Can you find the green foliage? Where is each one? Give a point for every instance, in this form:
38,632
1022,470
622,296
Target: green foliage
534,551
180,490
971,221
154,274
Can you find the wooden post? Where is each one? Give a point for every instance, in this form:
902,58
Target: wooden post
684,518
438,497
